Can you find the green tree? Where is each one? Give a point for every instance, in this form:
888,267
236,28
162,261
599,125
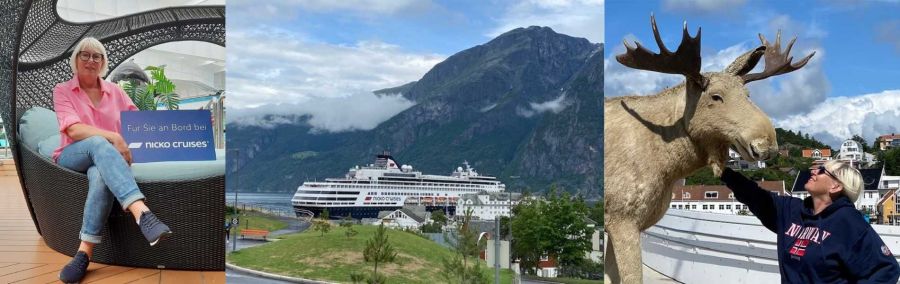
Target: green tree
466,246
596,213
703,176
529,228
876,146
439,218
862,142
891,161
347,223
379,250
322,226
570,236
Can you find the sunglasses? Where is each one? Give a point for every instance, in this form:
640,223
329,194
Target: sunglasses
822,170
87,56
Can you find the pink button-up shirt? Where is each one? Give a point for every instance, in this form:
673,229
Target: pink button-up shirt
73,106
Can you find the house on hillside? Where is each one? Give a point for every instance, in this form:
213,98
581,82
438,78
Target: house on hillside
737,163
889,141
817,154
715,198
409,217
852,152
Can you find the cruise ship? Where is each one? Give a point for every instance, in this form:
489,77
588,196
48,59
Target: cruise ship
386,185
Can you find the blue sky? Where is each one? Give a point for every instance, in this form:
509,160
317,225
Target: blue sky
323,58
850,86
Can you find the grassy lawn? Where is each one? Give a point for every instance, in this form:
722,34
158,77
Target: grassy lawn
259,221
334,256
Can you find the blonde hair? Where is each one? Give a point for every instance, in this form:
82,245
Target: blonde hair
849,177
91,43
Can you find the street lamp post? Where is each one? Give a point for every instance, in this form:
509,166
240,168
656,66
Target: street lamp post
235,220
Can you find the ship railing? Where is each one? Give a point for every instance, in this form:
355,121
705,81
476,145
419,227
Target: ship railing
265,209
304,215
699,247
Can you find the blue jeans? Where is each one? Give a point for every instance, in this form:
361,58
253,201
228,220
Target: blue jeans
108,177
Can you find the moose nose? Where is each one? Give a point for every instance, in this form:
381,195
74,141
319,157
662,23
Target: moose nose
762,149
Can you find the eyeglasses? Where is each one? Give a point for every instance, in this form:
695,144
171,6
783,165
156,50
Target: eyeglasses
86,56
822,170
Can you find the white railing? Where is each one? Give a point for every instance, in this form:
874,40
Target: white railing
697,247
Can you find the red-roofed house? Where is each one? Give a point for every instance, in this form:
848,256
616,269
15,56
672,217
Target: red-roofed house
889,141
714,198
818,154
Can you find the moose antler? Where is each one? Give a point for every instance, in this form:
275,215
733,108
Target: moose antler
685,60
777,63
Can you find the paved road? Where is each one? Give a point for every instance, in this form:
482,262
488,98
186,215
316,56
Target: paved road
236,277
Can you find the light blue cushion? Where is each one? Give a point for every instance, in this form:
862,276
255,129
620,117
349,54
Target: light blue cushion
48,145
173,171
37,125
39,130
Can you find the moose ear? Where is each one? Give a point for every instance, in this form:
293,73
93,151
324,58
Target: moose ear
744,63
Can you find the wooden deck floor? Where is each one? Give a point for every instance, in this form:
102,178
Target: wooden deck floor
24,258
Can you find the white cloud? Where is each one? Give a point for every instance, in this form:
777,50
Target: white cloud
555,106
273,66
839,118
579,18
362,111
702,6
779,96
621,80
289,9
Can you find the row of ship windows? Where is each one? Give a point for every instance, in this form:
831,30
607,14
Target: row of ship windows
366,186
488,207
340,203
708,206
410,193
322,203
328,198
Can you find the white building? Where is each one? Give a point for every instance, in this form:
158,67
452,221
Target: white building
596,253
714,198
487,205
852,152
404,218
736,162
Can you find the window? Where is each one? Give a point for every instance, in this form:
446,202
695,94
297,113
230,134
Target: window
731,195
705,207
686,195
673,206
694,206
721,206
728,206
711,195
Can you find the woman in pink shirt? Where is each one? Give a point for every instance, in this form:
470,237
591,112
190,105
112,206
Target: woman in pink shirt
88,109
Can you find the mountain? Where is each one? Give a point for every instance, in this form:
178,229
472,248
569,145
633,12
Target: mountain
524,107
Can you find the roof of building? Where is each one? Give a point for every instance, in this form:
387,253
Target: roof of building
891,136
698,192
807,153
417,213
888,196
493,196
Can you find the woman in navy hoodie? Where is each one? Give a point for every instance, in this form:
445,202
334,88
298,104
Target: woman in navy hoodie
823,238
